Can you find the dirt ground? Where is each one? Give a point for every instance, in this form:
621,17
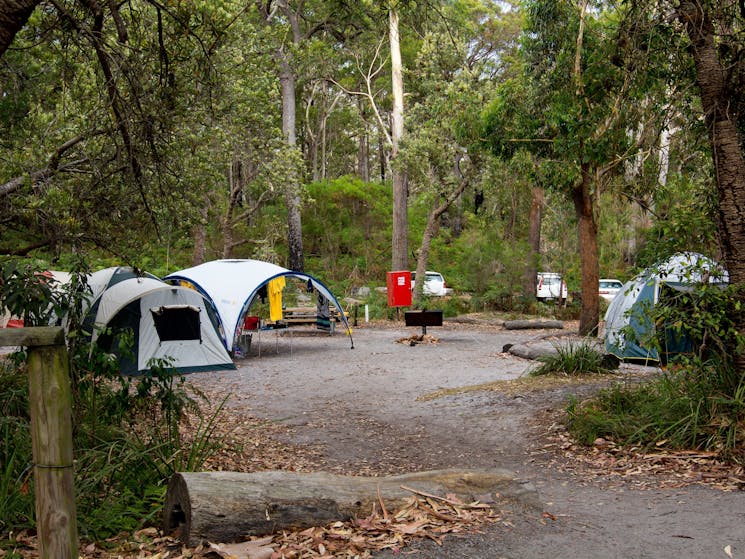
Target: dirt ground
389,407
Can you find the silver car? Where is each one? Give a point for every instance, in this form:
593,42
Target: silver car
608,288
434,284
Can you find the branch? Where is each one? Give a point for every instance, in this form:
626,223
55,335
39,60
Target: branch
368,77
49,171
25,250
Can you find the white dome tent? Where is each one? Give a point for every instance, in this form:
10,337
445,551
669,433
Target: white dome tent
232,285
631,306
168,322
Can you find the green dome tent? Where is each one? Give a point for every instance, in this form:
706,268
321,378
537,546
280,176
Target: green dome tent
166,322
632,306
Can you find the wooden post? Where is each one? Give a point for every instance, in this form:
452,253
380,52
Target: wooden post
50,402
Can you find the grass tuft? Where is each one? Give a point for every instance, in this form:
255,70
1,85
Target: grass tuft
573,360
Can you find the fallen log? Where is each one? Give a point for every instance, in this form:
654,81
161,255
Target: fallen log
228,506
533,324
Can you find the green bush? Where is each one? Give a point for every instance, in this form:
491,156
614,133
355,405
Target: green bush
573,360
127,436
698,403
16,498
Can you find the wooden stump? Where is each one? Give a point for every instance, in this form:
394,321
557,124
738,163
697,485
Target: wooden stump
228,506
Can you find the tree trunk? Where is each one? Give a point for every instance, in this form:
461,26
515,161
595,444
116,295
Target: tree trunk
729,164
13,16
430,230
456,224
400,242
200,234
534,241
363,147
588,253
227,506
720,121
382,156
292,194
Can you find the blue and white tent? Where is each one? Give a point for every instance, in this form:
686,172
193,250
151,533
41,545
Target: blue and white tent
233,285
159,321
632,305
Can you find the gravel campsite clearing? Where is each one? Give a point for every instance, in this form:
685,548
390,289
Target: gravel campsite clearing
458,401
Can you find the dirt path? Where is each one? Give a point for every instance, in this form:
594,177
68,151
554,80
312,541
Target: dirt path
370,410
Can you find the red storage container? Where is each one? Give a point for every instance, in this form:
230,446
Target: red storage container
399,288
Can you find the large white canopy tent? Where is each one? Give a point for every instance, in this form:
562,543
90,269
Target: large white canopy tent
232,285
168,323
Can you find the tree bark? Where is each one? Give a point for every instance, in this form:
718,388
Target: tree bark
721,123
588,253
292,195
13,16
400,240
535,219
226,506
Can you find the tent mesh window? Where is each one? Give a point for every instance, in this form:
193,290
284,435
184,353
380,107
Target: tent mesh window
176,323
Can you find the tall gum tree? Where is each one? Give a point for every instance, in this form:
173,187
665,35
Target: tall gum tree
578,116
400,235
713,29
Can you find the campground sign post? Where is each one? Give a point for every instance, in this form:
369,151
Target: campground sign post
50,402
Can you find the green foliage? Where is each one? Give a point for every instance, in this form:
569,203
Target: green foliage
686,221
27,293
16,498
126,431
346,226
698,403
573,359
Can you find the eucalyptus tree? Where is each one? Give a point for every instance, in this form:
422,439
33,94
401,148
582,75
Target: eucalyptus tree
83,160
715,31
451,79
717,45
579,113
296,25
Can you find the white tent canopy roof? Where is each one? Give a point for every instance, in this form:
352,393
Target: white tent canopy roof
231,285
121,294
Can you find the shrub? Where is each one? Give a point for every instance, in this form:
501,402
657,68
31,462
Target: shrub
698,403
573,360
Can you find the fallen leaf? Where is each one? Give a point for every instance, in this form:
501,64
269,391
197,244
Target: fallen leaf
253,549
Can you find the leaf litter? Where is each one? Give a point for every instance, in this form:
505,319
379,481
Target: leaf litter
251,444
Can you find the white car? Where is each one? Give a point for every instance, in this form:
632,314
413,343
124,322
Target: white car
608,288
434,284
550,286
